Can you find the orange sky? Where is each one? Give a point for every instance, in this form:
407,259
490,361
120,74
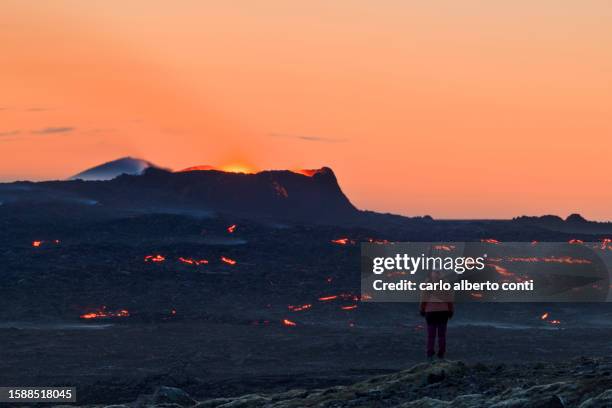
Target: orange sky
471,109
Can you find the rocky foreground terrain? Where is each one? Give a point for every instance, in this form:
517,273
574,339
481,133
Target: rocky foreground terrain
582,382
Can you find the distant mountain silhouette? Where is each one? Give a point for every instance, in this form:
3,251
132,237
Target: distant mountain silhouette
574,223
576,218
115,168
552,220
280,194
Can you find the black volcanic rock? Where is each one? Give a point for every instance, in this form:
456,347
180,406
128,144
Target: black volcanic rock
112,169
582,383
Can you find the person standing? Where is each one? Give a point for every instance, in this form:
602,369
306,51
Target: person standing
437,307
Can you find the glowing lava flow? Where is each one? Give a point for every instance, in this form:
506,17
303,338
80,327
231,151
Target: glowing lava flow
350,307
231,228
287,322
299,308
191,261
444,247
342,241
501,270
552,259
328,298
307,172
238,168
154,258
575,241
545,317
378,241
228,261
103,313
490,241
37,244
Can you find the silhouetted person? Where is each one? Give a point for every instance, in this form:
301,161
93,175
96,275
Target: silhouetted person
437,307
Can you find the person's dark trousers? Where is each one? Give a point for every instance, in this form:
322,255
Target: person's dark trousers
436,327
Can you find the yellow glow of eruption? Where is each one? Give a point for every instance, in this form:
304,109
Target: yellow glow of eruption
238,168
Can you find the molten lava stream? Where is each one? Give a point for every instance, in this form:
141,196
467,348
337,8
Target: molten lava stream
299,308
490,241
191,261
103,313
154,258
328,298
228,261
342,241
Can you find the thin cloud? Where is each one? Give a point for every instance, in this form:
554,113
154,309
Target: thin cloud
10,133
37,109
307,138
50,130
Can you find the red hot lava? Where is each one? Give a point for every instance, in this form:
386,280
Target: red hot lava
378,241
299,308
231,228
228,261
103,313
501,270
490,241
191,261
328,298
341,241
280,190
545,317
307,172
154,258
344,296
37,244
350,307
444,247
287,322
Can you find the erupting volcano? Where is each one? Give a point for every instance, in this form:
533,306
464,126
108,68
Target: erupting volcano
228,168
134,184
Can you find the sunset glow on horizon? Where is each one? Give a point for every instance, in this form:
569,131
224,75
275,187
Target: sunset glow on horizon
474,109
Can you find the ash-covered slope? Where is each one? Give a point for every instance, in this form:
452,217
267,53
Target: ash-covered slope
283,195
